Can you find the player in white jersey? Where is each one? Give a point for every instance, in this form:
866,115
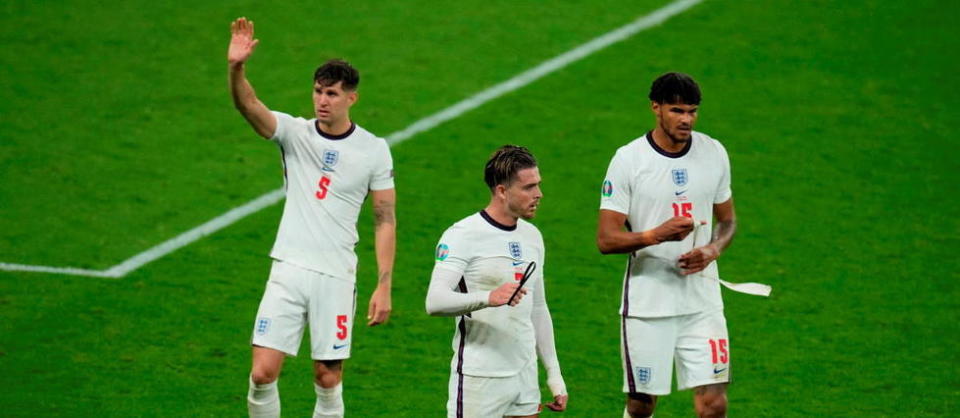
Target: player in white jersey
330,166
657,189
489,275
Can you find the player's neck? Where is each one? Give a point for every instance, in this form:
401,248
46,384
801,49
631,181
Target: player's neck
500,214
667,143
335,128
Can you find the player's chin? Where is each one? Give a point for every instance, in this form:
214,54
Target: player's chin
530,213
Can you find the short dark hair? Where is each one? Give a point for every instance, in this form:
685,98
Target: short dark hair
675,88
504,164
336,70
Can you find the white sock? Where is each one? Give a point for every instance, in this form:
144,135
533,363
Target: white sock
263,401
329,401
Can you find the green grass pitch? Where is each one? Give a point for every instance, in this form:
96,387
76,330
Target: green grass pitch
117,133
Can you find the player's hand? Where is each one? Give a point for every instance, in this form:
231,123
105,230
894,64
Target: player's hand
242,43
674,229
379,310
559,403
697,259
501,295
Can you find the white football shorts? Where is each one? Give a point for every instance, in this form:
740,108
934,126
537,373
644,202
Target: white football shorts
295,296
697,344
481,397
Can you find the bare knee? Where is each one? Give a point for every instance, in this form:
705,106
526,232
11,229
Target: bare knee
328,373
711,401
266,365
264,375
641,405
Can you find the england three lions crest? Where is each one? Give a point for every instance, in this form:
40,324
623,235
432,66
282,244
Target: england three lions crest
330,158
679,176
515,250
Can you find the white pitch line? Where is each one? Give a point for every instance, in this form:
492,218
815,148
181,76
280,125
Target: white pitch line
642,23
58,270
195,234
547,67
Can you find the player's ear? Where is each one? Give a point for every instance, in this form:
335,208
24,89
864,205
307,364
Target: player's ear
353,96
655,107
500,191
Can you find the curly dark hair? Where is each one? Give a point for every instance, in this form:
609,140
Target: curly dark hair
336,70
675,88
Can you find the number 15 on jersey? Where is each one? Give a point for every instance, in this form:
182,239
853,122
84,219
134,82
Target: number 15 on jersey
683,209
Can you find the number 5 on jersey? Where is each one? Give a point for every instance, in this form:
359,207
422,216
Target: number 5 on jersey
324,186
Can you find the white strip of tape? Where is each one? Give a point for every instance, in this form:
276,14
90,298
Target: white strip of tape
757,289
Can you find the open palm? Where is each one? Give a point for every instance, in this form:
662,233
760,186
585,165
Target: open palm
242,43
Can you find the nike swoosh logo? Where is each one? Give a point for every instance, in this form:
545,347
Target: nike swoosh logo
679,193
715,371
517,263
337,347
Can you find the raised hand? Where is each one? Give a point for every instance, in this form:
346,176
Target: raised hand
501,295
242,43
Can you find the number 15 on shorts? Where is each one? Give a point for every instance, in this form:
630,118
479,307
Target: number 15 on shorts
719,350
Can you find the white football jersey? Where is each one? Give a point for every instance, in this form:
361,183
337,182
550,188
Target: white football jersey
650,185
493,341
327,179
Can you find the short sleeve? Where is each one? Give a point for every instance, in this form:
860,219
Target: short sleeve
453,252
615,191
382,178
284,124
723,187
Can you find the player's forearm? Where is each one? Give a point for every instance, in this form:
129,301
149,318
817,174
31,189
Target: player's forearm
723,233
620,242
547,349
244,97
246,101
385,246
443,300
546,346
446,302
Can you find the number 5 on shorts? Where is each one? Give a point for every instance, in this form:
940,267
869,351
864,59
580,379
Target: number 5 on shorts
342,327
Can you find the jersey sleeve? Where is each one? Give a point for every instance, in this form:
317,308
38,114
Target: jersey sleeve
615,191
453,252
723,187
382,178
285,125
443,298
543,333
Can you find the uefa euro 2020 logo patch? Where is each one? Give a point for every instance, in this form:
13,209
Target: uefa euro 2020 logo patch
515,250
442,252
679,176
607,189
